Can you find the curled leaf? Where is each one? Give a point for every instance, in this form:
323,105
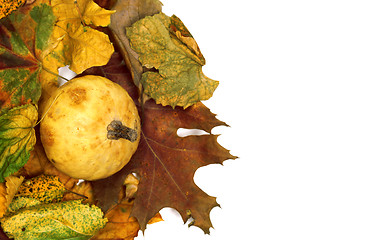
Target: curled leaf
7,192
127,13
165,46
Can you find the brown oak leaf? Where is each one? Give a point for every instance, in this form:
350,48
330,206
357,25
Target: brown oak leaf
165,162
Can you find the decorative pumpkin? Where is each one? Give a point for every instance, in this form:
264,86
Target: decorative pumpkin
91,128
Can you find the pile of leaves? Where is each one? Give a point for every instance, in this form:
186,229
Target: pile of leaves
151,55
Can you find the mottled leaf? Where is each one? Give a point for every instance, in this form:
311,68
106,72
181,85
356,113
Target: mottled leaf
23,41
44,188
22,202
17,138
8,6
63,220
165,45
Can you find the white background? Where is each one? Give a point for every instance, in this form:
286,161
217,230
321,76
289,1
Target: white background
298,87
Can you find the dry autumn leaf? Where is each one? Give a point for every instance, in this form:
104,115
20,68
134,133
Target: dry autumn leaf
7,192
165,162
120,225
29,56
165,59
82,46
166,46
127,13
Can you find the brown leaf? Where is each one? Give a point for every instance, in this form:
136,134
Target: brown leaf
165,162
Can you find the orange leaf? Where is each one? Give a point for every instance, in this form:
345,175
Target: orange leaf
119,225
85,189
7,192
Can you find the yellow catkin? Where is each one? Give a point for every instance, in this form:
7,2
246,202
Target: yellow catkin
8,6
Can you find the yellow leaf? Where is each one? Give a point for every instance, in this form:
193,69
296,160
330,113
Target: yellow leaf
7,192
63,220
12,184
82,11
82,46
45,188
3,200
86,48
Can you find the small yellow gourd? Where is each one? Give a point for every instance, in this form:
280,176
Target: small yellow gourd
91,128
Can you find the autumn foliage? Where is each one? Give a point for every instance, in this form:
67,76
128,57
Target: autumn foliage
157,61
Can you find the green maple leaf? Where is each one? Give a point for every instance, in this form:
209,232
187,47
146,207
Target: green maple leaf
63,220
17,138
165,45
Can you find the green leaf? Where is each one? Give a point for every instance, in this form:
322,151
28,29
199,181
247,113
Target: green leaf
166,46
63,220
23,42
17,138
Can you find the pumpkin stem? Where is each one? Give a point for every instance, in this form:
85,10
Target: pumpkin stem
116,130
